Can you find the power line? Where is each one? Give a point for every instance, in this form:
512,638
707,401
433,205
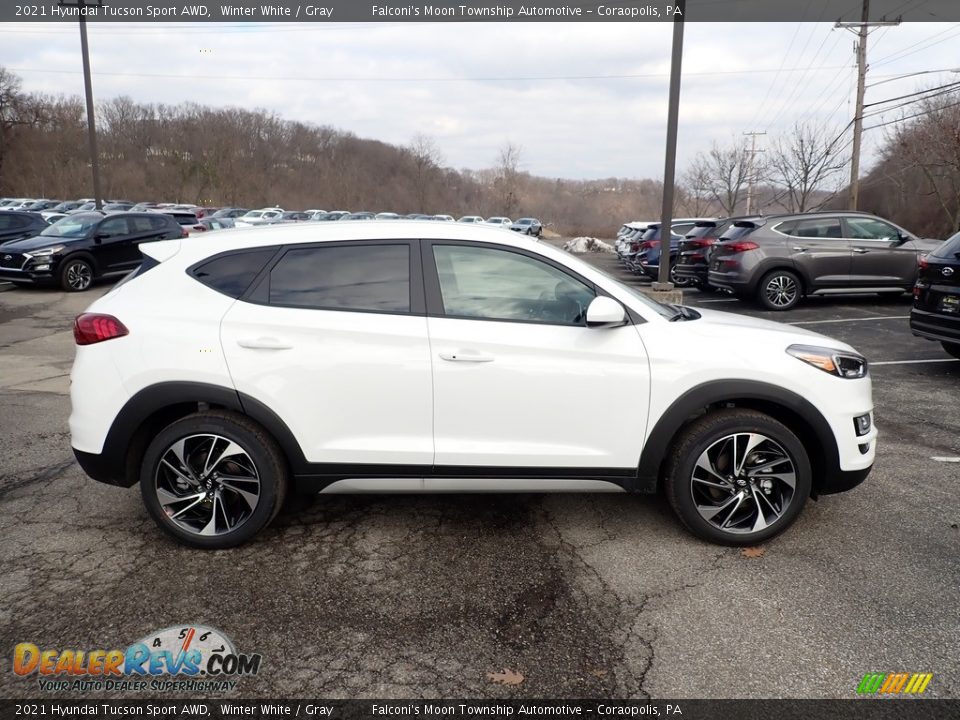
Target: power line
915,115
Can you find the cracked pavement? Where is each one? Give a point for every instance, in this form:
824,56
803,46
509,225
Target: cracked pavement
588,596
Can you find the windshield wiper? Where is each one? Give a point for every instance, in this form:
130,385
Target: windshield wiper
682,312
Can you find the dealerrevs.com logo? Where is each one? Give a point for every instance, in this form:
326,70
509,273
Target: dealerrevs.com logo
191,658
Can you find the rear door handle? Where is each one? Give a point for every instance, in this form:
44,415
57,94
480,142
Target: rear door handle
797,248
466,356
861,250
263,343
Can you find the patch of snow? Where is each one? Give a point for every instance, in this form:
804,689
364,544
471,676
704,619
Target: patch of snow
587,244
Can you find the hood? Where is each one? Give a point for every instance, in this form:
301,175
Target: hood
927,244
37,242
716,323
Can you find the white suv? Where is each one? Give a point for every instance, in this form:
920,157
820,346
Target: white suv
437,357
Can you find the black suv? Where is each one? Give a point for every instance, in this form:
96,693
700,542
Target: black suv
83,247
16,225
821,253
936,297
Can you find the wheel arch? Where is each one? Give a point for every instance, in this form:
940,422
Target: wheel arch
155,407
80,255
794,411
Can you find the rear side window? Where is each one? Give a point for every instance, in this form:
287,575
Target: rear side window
950,249
372,278
9,222
232,274
141,224
160,223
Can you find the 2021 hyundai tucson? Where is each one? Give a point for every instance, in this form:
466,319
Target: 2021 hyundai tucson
423,356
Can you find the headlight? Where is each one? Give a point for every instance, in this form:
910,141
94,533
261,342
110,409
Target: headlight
46,252
836,362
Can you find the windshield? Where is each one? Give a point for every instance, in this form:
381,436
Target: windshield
72,226
254,214
524,221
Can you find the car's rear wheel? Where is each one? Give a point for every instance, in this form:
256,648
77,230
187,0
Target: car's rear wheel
780,290
213,479
76,275
679,280
952,349
737,477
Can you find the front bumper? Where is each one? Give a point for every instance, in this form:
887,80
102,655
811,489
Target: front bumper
842,480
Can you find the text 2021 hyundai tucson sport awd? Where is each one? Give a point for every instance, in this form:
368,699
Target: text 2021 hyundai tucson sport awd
422,356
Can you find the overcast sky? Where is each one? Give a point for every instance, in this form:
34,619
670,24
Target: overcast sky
582,100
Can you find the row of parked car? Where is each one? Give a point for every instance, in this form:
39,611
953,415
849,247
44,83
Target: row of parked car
196,218
779,259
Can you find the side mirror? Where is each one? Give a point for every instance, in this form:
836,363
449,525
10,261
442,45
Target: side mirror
605,312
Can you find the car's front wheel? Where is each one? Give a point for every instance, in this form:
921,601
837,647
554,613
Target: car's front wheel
76,275
679,280
737,477
952,349
213,479
780,290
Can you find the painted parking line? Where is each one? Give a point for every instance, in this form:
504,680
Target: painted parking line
914,362
704,302
946,459
823,322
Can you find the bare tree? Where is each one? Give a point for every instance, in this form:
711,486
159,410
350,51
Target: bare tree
806,166
17,110
694,196
426,164
507,178
722,173
931,145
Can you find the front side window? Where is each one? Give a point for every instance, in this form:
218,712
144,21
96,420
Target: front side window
870,229
374,278
493,284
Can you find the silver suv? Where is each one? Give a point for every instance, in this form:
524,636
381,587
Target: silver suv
788,256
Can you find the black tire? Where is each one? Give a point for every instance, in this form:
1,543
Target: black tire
952,349
682,282
76,274
707,434
269,469
780,290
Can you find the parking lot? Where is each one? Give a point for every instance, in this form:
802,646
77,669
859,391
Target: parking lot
583,595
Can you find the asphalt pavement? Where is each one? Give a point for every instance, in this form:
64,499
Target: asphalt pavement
585,596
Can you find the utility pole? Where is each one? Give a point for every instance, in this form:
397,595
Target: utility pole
88,91
750,173
863,29
670,163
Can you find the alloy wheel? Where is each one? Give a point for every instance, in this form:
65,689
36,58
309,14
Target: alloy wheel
781,291
79,276
207,484
743,483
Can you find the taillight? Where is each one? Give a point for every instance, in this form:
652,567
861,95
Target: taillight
649,244
90,328
183,232
922,262
740,246
634,246
700,242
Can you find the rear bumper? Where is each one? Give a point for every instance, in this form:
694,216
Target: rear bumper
735,282
935,326
102,468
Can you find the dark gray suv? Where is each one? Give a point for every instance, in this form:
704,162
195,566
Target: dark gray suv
788,256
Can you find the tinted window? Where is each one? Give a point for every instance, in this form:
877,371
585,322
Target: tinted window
8,222
949,250
737,231
500,285
141,224
700,231
159,223
114,227
786,227
232,274
819,228
354,277
870,229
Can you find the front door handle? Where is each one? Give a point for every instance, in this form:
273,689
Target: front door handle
797,248
263,343
861,251
466,356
